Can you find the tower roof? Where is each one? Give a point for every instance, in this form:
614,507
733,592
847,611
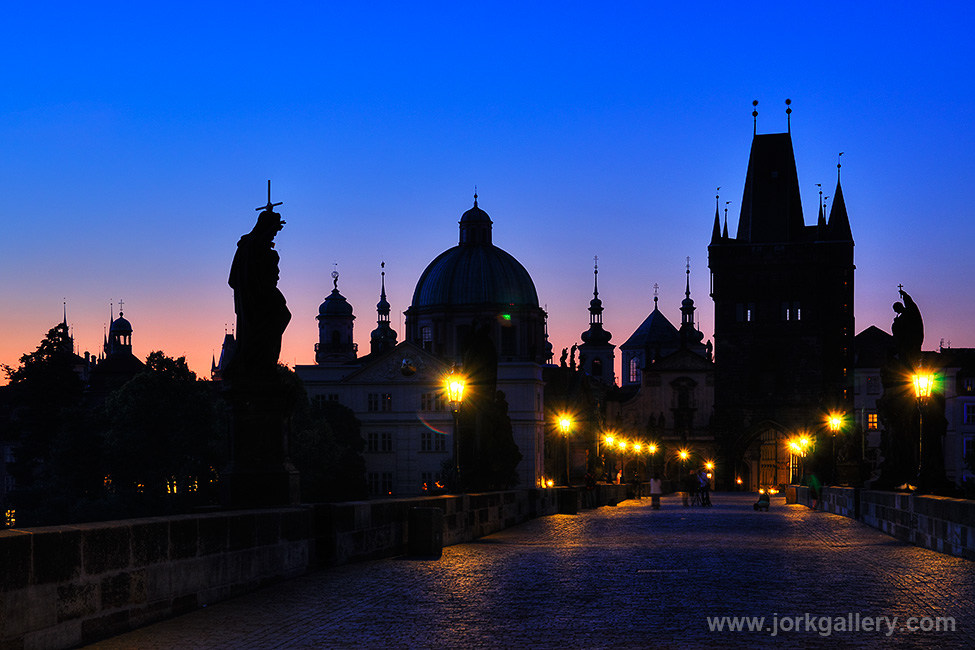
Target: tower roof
839,221
771,209
475,272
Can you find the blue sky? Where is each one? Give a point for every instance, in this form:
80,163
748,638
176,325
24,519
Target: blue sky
137,141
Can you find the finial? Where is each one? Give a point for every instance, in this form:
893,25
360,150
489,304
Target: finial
755,117
838,165
64,307
687,286
335,276
717,195
120,303
111,310
788,114
475,196
595,276
655,287
382,265
270,206
900,288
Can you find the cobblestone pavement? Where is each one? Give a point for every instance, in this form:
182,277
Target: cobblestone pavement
617,577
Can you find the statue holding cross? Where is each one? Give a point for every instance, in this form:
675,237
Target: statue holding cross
262,312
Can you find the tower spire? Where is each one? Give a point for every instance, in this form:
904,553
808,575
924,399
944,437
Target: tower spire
725,232
755,117
716,230
788,115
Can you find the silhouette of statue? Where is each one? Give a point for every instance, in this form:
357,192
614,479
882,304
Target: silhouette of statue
565,355
908,330
260,401
262,312
572,356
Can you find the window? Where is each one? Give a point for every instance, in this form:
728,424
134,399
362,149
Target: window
746,312
871,421
969,414
430,441
380,402
380,483
634,370
873,385
378,441
969,384
431,401
597,368
426,337
430,481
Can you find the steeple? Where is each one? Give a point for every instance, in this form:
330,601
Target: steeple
383,337
596,356
716,231
839,221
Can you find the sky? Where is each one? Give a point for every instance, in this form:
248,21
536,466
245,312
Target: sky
138,139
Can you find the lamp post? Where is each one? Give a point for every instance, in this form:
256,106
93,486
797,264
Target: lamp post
622,447
835,421
922,391
455,395
565,425
652,448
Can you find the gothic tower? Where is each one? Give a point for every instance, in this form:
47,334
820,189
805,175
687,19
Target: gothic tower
783,312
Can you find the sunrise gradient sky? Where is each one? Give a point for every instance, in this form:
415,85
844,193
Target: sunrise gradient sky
137,140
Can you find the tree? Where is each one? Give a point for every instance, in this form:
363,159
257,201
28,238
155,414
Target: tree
56,445
326,448
163,442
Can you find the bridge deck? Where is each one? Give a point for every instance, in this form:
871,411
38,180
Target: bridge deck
623,577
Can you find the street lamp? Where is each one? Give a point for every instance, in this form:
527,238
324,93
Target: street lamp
653,450
455,395
923,381
565,425
835,422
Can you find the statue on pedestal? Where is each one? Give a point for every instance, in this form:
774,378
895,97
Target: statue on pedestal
260,402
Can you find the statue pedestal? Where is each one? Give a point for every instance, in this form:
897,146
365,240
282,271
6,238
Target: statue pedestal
260,473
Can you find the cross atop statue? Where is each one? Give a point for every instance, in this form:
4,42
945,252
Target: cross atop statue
270,206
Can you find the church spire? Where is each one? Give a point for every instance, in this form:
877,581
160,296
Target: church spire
839,221
596,356
383,337
716,231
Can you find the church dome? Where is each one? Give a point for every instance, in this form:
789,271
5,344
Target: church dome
475,272
475,275
120,325
335,305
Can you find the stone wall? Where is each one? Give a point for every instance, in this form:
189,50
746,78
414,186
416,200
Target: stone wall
68,585
941,524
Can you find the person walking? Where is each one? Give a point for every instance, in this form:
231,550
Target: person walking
656,489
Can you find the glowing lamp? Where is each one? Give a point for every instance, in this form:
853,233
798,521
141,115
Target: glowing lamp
923,381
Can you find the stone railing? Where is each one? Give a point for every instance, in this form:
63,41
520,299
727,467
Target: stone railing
941,524
69,585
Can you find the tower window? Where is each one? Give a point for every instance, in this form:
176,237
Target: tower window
871,421
426,337
634,369
597,368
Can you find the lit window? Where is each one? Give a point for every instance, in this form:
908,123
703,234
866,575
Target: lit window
634,370
871,421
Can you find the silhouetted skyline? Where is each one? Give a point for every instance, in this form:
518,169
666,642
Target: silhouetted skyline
138,141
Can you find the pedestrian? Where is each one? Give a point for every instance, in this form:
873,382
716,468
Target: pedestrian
589,496
656,489
704,487
815,487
